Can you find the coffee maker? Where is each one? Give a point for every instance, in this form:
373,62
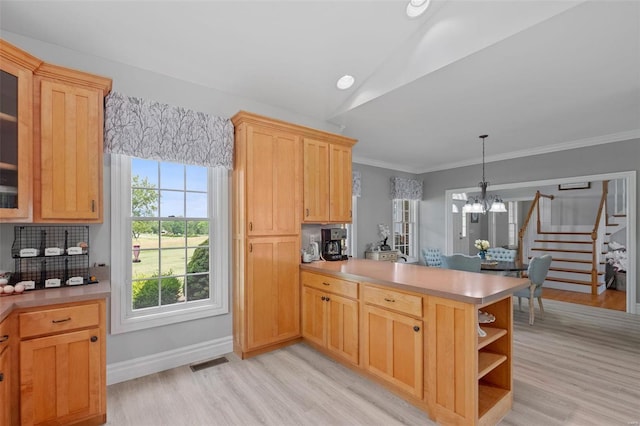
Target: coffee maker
333,243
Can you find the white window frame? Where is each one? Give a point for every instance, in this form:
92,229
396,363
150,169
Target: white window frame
123,317
414,206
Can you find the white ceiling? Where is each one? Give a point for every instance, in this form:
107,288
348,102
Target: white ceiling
537,76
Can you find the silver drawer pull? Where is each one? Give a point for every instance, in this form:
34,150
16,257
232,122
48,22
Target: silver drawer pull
61,320
325,283
389,300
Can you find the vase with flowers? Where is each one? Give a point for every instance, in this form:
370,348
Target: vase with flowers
482,246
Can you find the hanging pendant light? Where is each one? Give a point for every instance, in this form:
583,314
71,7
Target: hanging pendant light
483,204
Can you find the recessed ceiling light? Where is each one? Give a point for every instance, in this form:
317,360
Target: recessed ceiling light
345,82
416,8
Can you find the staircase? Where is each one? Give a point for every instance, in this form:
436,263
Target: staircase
572,265
578,252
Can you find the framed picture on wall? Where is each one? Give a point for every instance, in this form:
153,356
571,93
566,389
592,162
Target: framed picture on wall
475,217
575,185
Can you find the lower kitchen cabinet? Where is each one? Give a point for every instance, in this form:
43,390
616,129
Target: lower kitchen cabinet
62,364
8,373
422,346
393,348
331,321
272,297
5,386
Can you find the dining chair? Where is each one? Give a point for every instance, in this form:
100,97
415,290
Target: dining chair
432,257
537,273
462,262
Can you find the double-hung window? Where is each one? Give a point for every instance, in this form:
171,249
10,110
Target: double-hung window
169,242
404,233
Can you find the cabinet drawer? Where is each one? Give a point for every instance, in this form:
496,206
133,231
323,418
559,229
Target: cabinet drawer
390,299
48,321
331,284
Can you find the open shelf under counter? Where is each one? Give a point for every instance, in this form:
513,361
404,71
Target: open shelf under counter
489,398
493,334
487,361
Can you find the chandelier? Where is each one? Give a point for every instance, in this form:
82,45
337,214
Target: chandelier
483,204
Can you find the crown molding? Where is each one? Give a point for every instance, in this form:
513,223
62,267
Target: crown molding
580,143
384,165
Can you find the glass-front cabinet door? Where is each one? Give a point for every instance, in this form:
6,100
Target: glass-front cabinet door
16,118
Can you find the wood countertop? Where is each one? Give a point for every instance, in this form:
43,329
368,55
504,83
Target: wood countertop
468,287
53,296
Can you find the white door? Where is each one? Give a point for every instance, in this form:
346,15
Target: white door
460,233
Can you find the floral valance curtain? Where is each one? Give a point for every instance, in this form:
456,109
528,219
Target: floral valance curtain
406,189
146,129
356,187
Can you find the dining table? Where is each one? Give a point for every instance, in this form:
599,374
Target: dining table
503,266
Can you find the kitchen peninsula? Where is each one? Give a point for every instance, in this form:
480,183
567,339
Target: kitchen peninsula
415,330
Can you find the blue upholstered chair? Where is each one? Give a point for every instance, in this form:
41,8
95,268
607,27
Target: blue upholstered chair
432,257
502,254
462,262
537,272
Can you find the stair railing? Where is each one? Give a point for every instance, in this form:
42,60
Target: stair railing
598,237
527,232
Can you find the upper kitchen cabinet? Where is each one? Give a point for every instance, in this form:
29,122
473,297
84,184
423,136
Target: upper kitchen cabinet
69,141
327,179
316,180
340,183
51,124
16,133
268,166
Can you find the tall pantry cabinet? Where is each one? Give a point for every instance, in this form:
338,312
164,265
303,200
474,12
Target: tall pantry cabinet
266,233
273,162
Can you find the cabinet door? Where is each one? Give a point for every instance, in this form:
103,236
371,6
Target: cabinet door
5,387
60,377
272,290
316,181
340,183
342,327
16,143
313,315
393,348
70,153
273,182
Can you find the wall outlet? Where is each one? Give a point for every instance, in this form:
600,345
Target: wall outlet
312,238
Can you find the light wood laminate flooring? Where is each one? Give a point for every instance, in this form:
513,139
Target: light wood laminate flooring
577,365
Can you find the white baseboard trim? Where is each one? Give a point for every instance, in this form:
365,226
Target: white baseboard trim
131,369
